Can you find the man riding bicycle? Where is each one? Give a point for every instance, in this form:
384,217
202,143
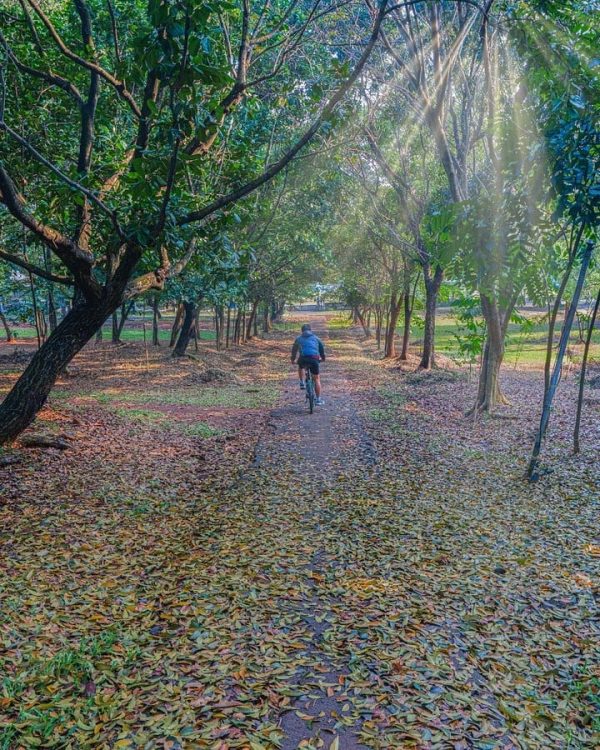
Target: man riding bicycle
311,350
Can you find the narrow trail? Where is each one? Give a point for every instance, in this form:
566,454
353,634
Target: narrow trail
318,447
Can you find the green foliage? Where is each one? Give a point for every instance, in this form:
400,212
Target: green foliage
472,330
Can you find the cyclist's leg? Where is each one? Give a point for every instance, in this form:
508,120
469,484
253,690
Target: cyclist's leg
317,379
301,372
314,368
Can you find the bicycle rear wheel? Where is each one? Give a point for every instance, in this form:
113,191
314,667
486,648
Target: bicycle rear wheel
310,394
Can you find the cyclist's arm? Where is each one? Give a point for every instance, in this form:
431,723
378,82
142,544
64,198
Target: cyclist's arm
295,351
321,350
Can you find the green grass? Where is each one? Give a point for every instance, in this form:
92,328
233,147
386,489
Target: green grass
143,416
228,396
60,680
201,429
205,396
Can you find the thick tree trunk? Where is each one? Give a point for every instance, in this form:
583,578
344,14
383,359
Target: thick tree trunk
31,390
389,350
7,329
187,329
177,323
251,324
432,288
489,394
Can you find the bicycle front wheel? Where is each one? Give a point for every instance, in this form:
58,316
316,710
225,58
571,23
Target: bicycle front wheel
310,393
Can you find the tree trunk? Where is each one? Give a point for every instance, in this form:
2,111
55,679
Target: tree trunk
7,329
52,317
389,350
378,324
584,360
408,308
250,325
196,331
177,323
155,318
532,473
31,390
432,288
266,318
115,328
488,391
187,329
228,333
359,317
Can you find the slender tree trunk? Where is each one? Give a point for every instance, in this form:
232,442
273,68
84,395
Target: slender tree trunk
406,330
7,329
360,318
36,318
196,331
266,318
115,328
126,309
556,371
432,288
31,390
155,318
187,329
177,323
584,360
228,333
378,324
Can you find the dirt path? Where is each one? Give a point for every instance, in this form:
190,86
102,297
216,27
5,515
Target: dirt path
316,448
378,577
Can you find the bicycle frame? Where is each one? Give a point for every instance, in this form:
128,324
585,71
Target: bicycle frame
310,389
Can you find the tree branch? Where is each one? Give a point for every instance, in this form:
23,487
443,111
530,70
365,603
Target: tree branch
34,269
118,85
275,168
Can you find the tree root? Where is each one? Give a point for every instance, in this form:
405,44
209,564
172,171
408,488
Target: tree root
44,441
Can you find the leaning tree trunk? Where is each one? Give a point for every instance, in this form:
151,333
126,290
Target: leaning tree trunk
187,329
31,390
532,469
7,329
359,317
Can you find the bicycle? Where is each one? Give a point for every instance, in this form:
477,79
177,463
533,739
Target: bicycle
309,384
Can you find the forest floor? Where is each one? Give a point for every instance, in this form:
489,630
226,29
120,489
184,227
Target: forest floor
209,566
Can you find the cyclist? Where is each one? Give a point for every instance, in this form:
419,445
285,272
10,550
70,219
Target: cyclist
311,350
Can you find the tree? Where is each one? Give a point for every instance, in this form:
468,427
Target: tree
149,113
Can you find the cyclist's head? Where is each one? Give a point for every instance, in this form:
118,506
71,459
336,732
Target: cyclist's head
306,327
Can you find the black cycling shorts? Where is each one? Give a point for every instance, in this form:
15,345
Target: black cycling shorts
311,362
